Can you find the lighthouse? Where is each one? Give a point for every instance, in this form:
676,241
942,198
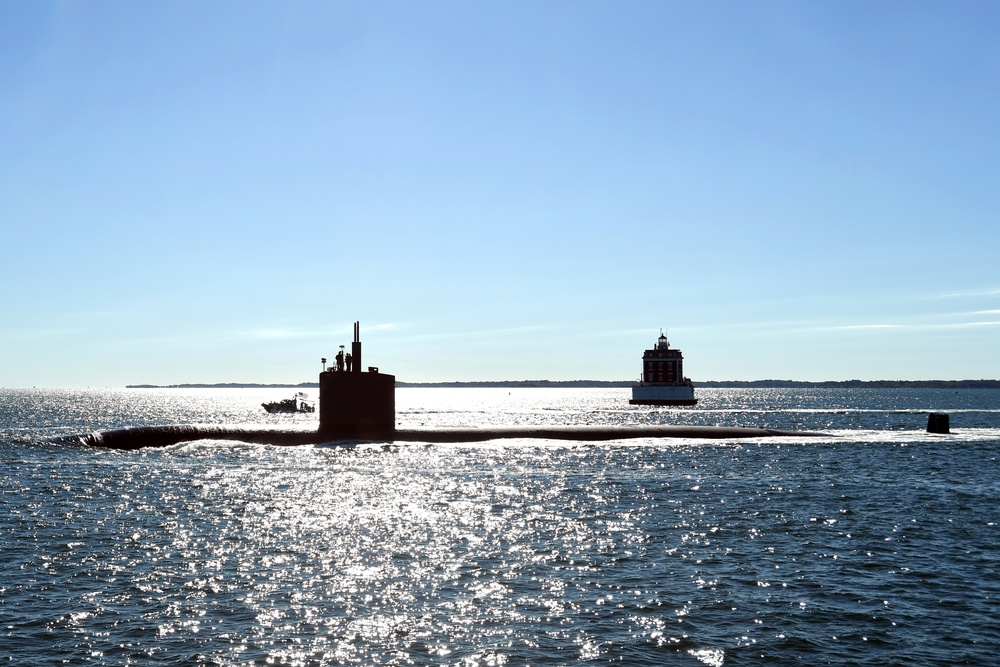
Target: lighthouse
663,381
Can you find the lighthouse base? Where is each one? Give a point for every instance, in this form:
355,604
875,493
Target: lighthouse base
663,395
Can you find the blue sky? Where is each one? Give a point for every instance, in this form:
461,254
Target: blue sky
215,192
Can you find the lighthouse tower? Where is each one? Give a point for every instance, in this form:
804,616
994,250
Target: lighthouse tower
663,381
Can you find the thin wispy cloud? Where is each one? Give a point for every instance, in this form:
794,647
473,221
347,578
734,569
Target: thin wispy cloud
482,333
285,334
275,334
969,294
913,326
856,327
291,333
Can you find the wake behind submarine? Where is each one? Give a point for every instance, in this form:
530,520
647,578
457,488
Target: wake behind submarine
356,405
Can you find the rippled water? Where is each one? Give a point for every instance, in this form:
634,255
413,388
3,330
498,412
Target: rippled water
874,544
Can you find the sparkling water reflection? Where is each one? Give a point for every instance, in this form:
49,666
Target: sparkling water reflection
864,547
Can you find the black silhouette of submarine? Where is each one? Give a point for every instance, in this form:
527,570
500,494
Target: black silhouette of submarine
361,406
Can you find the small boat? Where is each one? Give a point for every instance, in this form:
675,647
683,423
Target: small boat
298,403
663,381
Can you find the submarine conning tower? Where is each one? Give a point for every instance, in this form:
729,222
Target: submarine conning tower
356,404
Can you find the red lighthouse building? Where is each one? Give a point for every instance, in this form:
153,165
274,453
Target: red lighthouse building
663,381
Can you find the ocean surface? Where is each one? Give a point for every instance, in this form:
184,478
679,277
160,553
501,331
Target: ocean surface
874,544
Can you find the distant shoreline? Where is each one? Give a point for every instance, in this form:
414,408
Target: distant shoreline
594,384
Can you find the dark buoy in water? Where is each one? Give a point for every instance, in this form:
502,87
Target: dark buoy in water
938,422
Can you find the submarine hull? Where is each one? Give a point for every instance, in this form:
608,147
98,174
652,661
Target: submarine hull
166,436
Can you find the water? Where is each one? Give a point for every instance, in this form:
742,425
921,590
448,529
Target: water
875,544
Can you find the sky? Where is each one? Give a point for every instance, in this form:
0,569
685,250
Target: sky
216,191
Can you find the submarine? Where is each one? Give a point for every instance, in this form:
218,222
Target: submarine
358,405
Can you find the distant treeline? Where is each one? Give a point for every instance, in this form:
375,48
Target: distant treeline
855,384
523,383
221,385
763,384
707,384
